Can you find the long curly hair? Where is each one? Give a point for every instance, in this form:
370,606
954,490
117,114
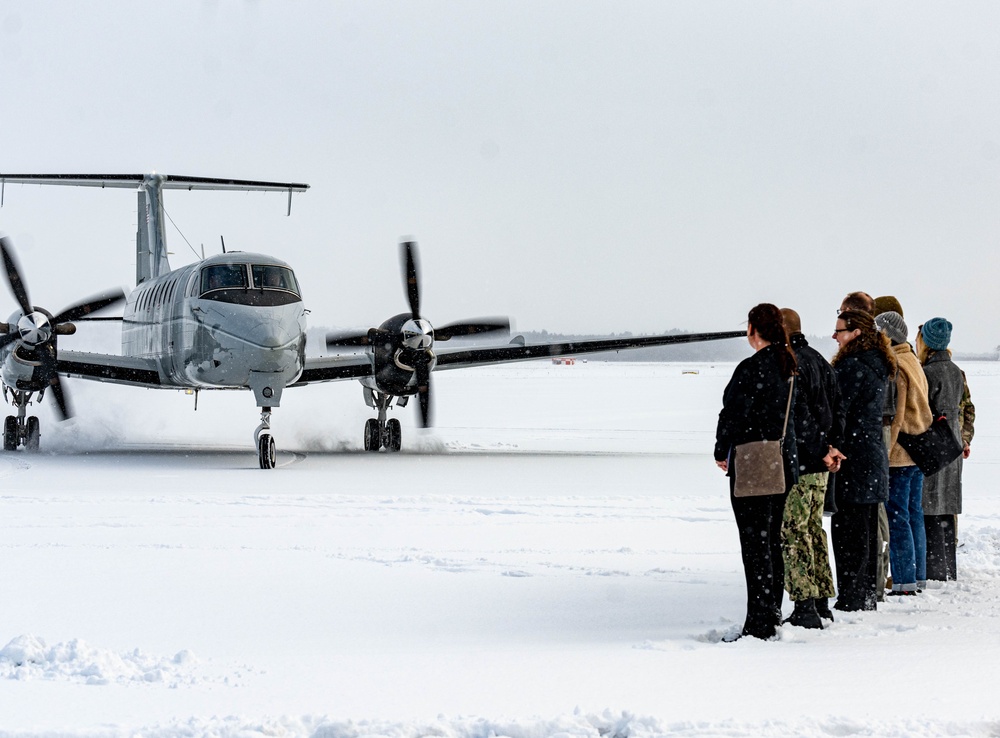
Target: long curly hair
868,338
766,321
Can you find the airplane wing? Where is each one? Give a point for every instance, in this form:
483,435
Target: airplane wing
110,368
338,366
145,372
454,358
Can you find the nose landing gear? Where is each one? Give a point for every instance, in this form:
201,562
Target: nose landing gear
266,450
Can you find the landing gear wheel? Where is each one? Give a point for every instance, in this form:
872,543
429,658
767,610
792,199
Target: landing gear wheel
266,451
32,435
394,435
373,435
10,434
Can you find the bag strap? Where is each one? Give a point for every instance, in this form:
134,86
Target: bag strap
788,407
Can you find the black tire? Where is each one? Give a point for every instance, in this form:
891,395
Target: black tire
395,435
266,452
33,434
373,435
10,434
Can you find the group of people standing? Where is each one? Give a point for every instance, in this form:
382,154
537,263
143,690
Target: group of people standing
839,424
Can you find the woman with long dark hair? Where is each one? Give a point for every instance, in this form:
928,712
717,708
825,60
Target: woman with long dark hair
753,409
863,365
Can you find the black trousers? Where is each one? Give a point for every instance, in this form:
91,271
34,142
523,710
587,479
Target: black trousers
941,535
855,552
759,522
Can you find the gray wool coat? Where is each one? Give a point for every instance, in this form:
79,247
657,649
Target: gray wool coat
943,491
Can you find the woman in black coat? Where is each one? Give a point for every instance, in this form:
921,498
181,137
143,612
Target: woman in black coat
863,365
753,409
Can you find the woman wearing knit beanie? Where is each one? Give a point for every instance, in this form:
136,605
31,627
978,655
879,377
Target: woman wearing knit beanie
942,491
912,414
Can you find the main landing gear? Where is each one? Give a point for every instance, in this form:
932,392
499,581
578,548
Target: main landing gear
379,432
20,429
266,451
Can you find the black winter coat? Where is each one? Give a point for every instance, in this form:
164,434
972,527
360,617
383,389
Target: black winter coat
864,476
753,409
817,406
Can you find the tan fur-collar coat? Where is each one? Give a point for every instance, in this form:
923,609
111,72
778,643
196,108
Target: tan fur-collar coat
913,413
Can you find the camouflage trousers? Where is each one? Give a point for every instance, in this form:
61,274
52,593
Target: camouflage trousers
803,541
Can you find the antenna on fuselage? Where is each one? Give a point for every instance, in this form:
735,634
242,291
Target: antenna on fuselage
222,238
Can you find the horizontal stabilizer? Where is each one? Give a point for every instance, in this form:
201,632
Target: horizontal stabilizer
167,181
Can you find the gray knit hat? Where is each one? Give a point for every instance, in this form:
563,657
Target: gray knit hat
892,325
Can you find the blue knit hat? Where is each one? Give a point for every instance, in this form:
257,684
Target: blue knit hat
936,333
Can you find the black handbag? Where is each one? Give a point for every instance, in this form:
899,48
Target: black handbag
933,449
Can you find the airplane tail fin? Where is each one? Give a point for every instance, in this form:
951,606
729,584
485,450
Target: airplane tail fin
151,241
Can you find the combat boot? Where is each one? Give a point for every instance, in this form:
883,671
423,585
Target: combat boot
823,608
805,616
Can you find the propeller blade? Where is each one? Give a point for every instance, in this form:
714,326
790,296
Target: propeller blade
411,275
59,395
423,371
13,273
472,327
343,338
424,392
90,305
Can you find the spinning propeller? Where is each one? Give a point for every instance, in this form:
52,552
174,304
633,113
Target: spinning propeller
36,329
411,344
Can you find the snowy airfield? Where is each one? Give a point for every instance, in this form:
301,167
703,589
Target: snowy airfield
556,558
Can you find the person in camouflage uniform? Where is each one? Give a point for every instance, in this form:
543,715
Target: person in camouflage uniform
808,577
968,412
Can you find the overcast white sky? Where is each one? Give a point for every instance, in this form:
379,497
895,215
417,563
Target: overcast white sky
582,166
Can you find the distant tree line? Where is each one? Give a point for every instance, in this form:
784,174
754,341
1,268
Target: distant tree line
732,349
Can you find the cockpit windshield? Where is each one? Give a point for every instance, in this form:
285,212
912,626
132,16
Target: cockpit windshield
224,276
269,277
249,284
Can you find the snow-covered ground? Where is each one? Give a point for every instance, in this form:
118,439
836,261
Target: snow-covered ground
556,558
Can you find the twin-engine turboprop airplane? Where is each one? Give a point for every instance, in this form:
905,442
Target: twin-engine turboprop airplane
237,320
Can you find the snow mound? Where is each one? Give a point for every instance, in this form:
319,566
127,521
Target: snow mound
606,725
27,657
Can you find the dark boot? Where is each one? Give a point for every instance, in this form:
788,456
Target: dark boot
940,530
823,608
805,616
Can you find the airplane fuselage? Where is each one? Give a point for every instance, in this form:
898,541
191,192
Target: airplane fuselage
234,320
